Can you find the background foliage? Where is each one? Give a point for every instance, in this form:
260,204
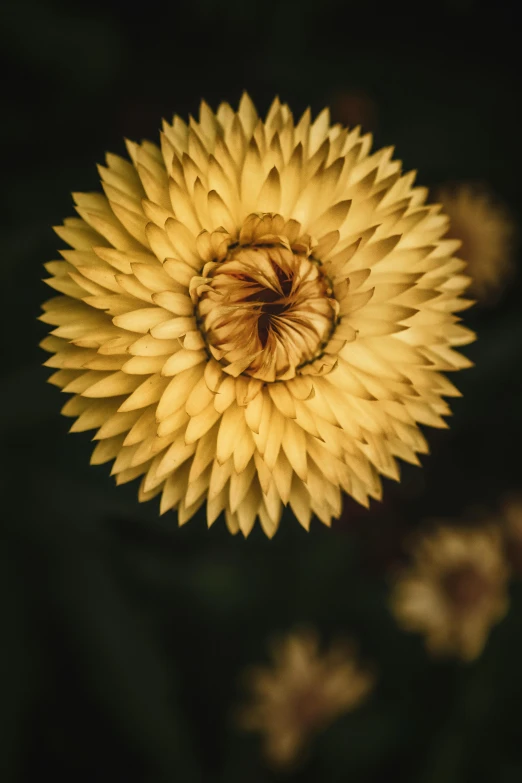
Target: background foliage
123,636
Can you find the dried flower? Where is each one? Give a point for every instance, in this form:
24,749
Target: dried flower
455,591
256,314
487,235
301,694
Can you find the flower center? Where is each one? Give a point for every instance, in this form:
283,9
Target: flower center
272,302
465,588
266,309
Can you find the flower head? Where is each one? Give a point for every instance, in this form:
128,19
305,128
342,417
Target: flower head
486,232
255,314
455,591
301,694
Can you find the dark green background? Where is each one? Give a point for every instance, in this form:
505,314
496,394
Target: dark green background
122,636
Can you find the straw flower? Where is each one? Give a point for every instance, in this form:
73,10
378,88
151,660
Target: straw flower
301,694
455,591
487,235
255,314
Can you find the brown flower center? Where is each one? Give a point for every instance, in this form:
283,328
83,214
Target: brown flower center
466,588
266,310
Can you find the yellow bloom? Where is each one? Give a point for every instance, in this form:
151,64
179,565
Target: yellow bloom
256,314
455,591
487,234
302,694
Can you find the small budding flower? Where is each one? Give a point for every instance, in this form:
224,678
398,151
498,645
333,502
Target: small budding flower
256,314
455,590
304,692
487,234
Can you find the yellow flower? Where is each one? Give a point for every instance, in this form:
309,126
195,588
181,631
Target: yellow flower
487,235
256,314
455,591
304,692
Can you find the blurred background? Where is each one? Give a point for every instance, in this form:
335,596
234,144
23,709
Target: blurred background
123,637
